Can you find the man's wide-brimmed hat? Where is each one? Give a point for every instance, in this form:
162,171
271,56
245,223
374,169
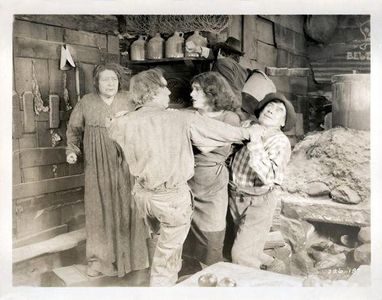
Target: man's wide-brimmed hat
231,44
290,120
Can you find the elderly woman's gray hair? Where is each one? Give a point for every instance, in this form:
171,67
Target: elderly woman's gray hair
116,68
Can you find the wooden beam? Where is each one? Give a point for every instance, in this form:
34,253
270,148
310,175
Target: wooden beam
16,172
40,236
91,23
264,31
297,72
267,54
59,243
44,116
41,156
28,47
30,189
56,84
249,37
85,38
38,202
28,29
44,138
28,113
17,129
112,44
54,111
84,54
289,40
235,28
22,75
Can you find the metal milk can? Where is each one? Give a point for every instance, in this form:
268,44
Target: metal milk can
155,47
137,49
198,40
174,45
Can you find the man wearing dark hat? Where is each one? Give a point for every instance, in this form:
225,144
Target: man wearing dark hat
257,169
227,64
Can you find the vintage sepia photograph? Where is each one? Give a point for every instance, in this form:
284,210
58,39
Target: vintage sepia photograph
189,151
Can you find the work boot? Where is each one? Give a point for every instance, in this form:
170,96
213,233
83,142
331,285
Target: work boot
92,272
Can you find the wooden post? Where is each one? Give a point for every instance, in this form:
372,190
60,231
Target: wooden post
29,115
54,111
17,129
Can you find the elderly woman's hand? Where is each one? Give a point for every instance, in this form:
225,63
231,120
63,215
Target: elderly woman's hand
71,158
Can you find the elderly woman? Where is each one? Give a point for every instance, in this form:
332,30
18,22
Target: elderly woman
212,97
116,237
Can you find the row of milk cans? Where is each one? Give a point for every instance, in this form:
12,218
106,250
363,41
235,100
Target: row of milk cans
156,47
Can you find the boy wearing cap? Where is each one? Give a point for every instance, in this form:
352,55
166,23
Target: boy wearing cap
257,169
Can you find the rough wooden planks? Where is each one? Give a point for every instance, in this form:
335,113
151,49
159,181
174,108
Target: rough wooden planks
54,111
112,44
28,47
41,156
24,190
17,129
29,30
89,23
40,236
249,38
85,38
59,243
41,212
289,40
264,31
16,172
28,113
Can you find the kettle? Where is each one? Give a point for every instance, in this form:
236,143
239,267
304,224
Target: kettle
137,48
198,41
174,45
155,47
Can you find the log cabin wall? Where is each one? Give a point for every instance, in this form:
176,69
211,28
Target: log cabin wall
277,44
48,192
